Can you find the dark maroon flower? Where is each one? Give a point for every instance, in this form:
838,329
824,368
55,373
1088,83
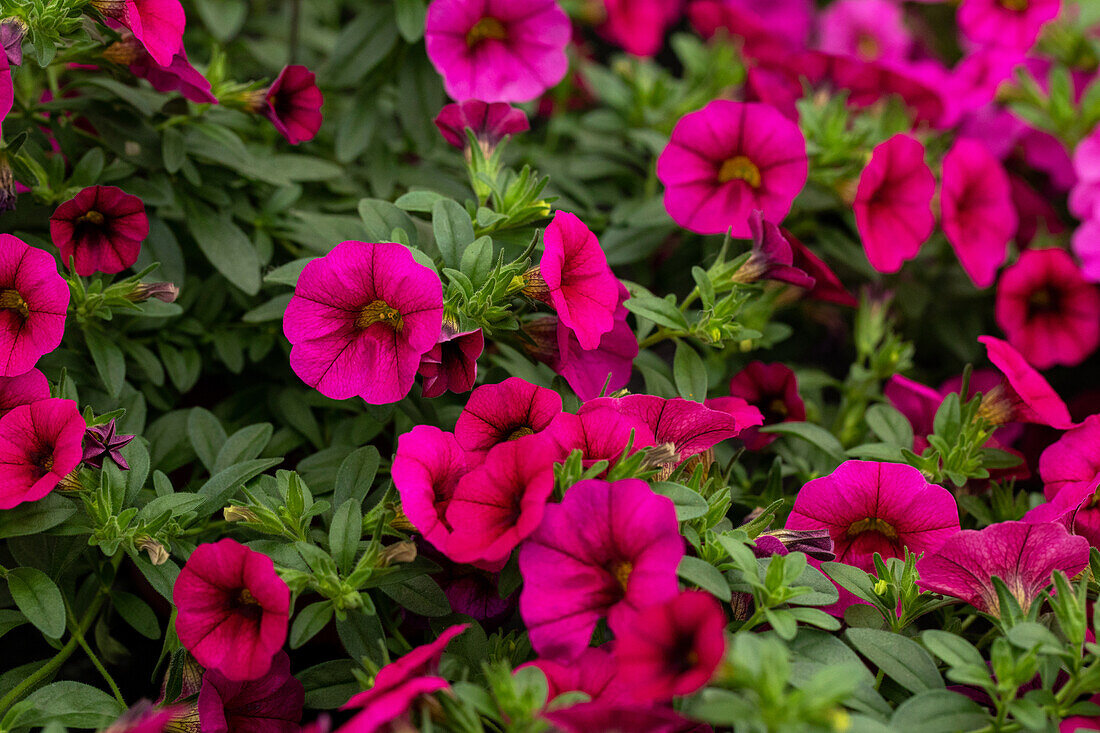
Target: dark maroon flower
827,286
101,441
451,365
293,104
270,704
100,229
491,123
773,389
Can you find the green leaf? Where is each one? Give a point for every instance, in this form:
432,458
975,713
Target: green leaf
362,636
939,711
72,704
706,576
221,486
109,361
39,599
243,445
689,504
815,435
409,15
890,425
361,45
225,246
658,310
35,517
903,659
951,648
206,434
689,373
421,595
381,218
289,273
477,261
453,230
329,684
173,150
344,534
309,621
356,474
137,613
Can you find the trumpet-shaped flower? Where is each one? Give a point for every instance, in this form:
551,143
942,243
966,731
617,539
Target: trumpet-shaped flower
496,413
451,365
426,470
157,24
491,123
293,104
1023,396
40,444
33,302
100,229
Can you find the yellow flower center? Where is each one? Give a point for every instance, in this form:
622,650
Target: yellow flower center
872,524
245,598
867,47
996,406
10,299
486,29
1017,5
520,432
622,571
739,168
379,312
91,217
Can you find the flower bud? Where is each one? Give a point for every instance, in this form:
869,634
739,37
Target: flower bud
158,553
398,552
164,292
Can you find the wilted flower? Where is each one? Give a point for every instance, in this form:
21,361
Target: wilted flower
33,303
39,447
102,441
164,292
100,229
11,39
815,543
8,193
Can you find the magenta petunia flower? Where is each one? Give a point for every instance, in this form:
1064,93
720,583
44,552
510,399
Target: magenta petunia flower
591,672
1073,461
491,123
270,704
772,256
608,549
1086,245
579,283
1023,396
893,204
22,390
773,390
398,685
1021,554
451,365
157,24
671,648
600,433
871,30
689,426
978,216
499,503
33,302
178,76
726,160
497,50
1011,24
231,609
100,229
789,20
827,286
1084,197
871,507
144,718
40,444
293,104
496,413
1049,312
426,469
639,26
361,318
917,402
867,82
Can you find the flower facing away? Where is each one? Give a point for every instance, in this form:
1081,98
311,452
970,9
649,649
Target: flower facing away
179,75
426,470
270,704
827,286
398,684
451,365
893,204
1011,24
497,50
1021,554
772,256
592,672
12,31
293,104
726,160
157,24
978,215
607,549
1023,396
1049,312
100,230
231,609
871,507
103,441
33,302
497,413
773,390
144,718
7,89
22,390
671,648
1073,461
39,446
491,123
360,320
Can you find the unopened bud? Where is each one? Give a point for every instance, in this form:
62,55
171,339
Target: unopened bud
158,553
534,286
164,292
398,552
239,514
400,522
71,482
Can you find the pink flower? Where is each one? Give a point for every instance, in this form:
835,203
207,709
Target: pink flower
1023,555
426,470
872,30
672,648
7,89
1086,245
1072,463
12,31
1015,24
728,159
1034,211
1049,312
144,718
157,24
499,503
605,717
978,216
1023,396
293,104
491,123
772,256
179,75
398,685
773,390
581,286
101,229
1084,197
40,444
361,318
591,672
689,426
22,390
608,549
871,507
869,81
893,204
827,286
497,50
270,704
789,20
639,26
231,609
451,365
600,433
496,413
33,302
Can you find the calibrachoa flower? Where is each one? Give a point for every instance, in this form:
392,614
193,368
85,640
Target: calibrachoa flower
671,648
1086,245
497,50
426,469
360,320
491,123
231,609
451,365
869,29
772,256
591,672
100,229
608,549
1084,197
1010,23
871,507
496,413
157,24
827,286
179,75
978,215
39,446
398,684
144,718
726,160
269,704
1023,396
102,441
7,89
22,390
1049,312
590,371
893,204
600,434
772,389
33,302
639,25
1073,461
293,104
1023,555
11,40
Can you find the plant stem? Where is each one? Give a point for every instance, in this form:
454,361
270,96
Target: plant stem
79,636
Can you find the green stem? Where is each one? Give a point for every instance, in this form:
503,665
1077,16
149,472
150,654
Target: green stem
74,627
